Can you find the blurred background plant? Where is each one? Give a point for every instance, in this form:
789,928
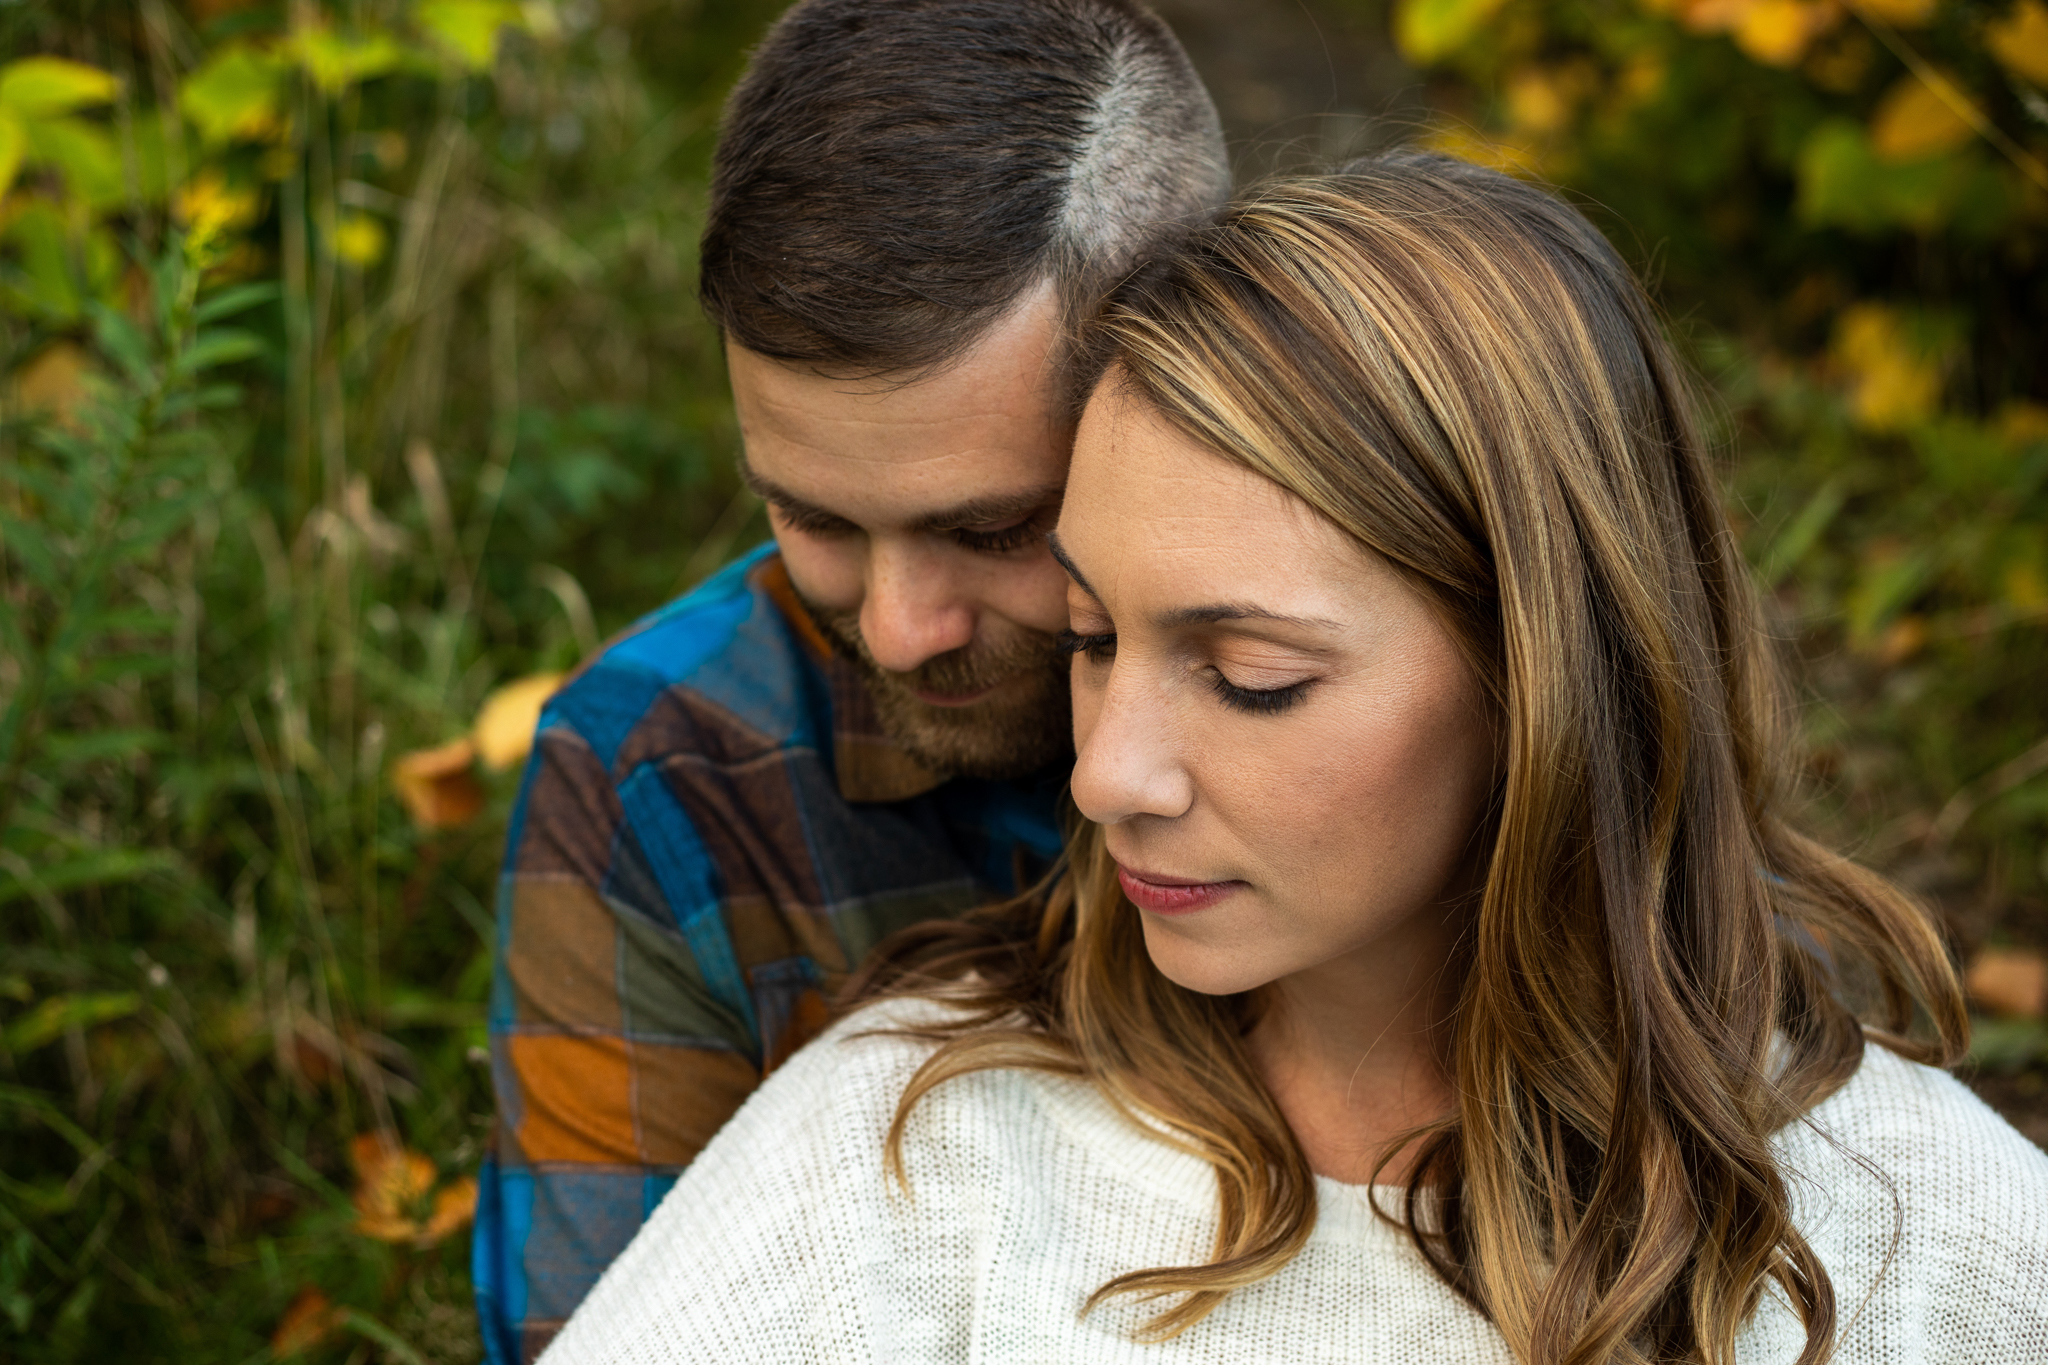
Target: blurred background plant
352,387
1844,205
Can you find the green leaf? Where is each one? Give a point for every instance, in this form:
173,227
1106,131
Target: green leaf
336,61
13,147
1844,183
98,744
61,1013
1430,30
103,867
83,154
41,86
469,27
2007,1044
220,346
1800,533
48,284
234,300
237,94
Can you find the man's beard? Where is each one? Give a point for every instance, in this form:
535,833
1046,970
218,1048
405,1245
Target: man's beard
1013,735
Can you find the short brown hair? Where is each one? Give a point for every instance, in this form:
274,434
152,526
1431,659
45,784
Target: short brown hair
893,174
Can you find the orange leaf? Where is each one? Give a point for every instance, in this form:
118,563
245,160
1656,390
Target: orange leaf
54,383
454,1207
1913,123
1777,32
2010,981
437,787
1904,13
390,1179
308,1320
2020,40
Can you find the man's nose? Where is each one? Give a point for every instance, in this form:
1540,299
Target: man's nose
915,607
1129,761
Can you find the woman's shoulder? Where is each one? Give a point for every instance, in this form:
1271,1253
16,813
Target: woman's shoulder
853,1075
1922,1124
1918,1195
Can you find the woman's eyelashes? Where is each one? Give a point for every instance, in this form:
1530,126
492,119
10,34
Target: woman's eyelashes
1096,648
1258,701
1100,647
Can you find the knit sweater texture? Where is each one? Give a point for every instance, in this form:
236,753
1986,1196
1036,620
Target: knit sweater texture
786,1242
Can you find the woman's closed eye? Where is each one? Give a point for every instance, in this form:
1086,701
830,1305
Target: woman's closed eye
1258,701
1096,648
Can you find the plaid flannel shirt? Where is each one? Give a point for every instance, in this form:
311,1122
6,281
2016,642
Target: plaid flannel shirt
711,832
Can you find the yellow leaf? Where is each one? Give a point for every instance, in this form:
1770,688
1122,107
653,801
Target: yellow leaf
470,27
1893,383
436,786
41,86
1427,31
1513,158
359,239
1713,16
1536,101
504,727
1913,123
1904,13
1776,32
209,206
2020,40
236,94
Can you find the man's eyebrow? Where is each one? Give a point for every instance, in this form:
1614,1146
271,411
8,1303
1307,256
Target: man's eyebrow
973,512
767,490
996,507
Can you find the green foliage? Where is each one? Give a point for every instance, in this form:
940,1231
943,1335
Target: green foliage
335,349
1844,209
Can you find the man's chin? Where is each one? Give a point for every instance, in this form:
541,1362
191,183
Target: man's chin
1000,737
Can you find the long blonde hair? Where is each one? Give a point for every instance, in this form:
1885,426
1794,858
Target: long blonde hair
1456,369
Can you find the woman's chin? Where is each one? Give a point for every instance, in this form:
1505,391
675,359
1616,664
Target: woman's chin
1227,968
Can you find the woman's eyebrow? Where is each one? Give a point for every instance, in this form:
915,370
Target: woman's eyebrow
1237,611
1208,615
1059,552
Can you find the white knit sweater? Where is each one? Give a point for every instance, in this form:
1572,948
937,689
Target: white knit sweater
785,1243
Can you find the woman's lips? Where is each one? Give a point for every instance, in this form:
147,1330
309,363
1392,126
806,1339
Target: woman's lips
1164,895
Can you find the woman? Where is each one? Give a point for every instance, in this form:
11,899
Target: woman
1439,974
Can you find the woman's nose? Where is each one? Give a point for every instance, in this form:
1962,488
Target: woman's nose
1128,752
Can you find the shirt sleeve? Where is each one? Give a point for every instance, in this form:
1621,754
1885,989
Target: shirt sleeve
622,1037
784,1242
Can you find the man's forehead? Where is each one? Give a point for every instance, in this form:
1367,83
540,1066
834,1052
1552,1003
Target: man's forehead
905,502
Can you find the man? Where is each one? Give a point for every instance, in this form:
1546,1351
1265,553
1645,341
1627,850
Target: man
865,725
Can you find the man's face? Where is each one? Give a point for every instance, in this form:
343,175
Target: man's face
912,518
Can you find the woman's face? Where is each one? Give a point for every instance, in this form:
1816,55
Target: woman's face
1287,752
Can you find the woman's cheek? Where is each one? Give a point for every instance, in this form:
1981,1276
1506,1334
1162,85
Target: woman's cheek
1088,679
